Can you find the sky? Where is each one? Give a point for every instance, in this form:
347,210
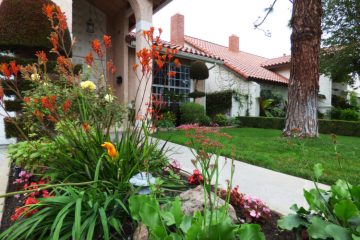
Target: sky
216,20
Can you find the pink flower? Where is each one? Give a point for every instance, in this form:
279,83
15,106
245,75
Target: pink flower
253,213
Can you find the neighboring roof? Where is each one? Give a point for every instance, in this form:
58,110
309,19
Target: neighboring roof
245,64
181,49
276,62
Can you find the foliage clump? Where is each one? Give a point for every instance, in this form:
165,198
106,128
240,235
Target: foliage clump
191,112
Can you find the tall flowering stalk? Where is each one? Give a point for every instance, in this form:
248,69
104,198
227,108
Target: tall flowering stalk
206,150
152,60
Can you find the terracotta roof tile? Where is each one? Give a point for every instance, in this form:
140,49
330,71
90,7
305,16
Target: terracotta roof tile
246,64
132,37
275,62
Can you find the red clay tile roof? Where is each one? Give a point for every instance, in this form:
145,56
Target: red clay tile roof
132,37
246,64
275,62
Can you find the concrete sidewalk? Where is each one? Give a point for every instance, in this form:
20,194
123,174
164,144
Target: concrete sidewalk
4,176
279,191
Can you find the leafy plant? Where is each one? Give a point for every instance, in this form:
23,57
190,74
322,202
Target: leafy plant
332,214
32,155
191,112
221,119
169,222
204,120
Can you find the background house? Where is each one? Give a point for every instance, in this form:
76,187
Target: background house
245,73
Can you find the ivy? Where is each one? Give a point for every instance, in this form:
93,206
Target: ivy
219,102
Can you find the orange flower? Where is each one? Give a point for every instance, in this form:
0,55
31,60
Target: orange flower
54,39
4,68
1,93
135,66
67,105
111,149
61,19
110,66
52,119
177,63
27,100
41,55
14,68
89,59
86,127
96,46
48,10
172,74
107,41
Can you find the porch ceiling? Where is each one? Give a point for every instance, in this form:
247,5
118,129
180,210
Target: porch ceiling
112,7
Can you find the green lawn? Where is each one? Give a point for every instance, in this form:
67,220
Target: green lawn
266,148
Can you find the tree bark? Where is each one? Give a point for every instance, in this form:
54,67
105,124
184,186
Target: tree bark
301,114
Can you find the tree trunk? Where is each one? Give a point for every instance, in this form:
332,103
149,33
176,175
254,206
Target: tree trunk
301,114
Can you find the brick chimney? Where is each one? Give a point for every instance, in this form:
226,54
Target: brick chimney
177,29
234,43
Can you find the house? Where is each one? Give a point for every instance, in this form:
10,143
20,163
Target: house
245,73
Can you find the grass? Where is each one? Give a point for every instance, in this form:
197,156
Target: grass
266,148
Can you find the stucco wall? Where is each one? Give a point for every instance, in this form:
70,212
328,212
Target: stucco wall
220,79
80,15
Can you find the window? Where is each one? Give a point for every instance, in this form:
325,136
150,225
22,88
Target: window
172,89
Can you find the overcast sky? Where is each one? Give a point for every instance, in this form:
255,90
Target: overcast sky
216,20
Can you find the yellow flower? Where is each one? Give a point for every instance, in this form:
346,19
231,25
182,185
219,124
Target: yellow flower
109,98
88,85
111,149
35,77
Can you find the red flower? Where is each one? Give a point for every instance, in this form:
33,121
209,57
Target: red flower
196,178
107,41
86,127
96,46
67,105
53,99
61,18
41,55
26,99
39,115
89,59
31,201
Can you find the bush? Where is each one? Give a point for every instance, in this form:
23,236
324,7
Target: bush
349,115
218,102
346,128
221,119
32,27
205,120
191,112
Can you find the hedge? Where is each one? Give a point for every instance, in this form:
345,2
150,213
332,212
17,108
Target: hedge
24,28
218,102
338,127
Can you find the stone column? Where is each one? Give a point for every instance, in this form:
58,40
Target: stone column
143,14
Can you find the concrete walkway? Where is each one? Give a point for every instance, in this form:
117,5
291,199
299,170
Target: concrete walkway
4,176
279,191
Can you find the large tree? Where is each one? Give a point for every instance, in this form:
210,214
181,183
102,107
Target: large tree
340,57
301,115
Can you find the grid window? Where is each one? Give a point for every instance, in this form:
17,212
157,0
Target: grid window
172,89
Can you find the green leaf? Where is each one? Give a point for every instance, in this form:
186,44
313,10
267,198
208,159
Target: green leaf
346,210
150,215
104,223
168,217
186,223
354,237
341,189
318,170
176,211
251,232
317,228
158,232
77,221
338,232
290,222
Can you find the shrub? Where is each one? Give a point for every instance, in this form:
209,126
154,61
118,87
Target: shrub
199,71
205,120
349,115
346,128
32,27
191,112
221,119
165,124
218,102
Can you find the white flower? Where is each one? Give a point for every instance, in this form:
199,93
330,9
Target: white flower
109,98
88,85
35,77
